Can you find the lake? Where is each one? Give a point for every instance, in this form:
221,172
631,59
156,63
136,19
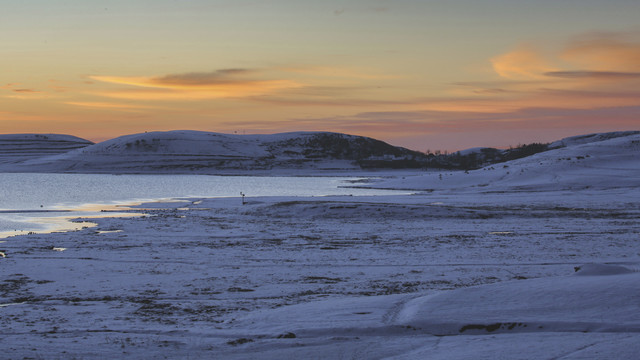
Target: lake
35,202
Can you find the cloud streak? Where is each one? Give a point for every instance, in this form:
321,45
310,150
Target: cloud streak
604,51
577,74
444,128
530,88
226,83
223,76
107,105
523,62
294,85
593,71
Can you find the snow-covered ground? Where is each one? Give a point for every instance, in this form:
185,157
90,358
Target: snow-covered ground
17,148
545,267
585,162
350,277
198,152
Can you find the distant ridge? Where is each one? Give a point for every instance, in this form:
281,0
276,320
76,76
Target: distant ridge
199,152
16,148
187,151
595,161
590,138
475,158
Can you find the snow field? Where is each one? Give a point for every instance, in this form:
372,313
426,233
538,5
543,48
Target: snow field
538,258
364,277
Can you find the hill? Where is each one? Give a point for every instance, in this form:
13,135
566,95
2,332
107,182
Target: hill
177,152
475,158
608,160
590,138
206,152
16,148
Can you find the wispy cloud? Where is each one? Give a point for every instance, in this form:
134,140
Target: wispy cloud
604,51
294,85
226,83
22,92
594,79
592,71
29,94
327,101
203,78
9,86
491,91
591,55
523,62
108,105
54,85
447,126
497,104
592,89
577,74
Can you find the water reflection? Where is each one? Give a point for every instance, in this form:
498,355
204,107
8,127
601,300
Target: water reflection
26,223
41,203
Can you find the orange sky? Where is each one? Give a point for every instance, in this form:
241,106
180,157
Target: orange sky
421,74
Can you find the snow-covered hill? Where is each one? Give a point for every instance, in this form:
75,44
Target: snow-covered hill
206,152
15,148
590,138
609,160
605,159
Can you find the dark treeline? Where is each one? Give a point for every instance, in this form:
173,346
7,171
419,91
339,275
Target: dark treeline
457,160
370,153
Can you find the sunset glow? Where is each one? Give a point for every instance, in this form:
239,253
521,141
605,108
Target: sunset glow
421,74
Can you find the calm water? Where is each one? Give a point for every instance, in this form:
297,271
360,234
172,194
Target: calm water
28,202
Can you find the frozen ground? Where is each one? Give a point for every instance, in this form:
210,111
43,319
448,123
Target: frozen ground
587,162
197,152
349,277
536,267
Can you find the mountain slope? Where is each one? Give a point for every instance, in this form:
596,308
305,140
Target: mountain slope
607,162
590,138
206,152
15,148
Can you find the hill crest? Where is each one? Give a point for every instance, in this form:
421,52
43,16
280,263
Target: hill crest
188,151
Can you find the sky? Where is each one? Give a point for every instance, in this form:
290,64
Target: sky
427,75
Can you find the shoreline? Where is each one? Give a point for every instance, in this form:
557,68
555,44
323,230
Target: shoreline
194,278
24,194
